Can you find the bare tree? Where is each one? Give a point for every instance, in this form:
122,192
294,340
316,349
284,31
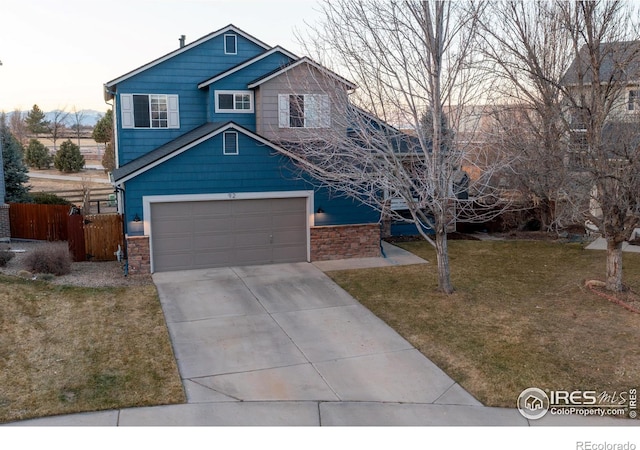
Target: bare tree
601,94
78,117
18,126
528,51
411,60
57,124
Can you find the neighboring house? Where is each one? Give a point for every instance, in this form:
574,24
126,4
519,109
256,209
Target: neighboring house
618,96
202,175
619,77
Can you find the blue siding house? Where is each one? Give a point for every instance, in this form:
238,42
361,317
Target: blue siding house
201,176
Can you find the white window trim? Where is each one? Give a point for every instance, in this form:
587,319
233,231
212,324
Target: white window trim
234,111
226,151
235,38
321,104
127,112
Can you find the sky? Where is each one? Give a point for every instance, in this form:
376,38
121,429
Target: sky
58,54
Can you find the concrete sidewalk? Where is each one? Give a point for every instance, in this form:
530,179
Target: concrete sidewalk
601,244
283,345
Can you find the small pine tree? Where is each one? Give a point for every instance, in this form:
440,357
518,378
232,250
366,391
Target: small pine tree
109,158
37,155
15,172
103,133
69,158
103,130
35,121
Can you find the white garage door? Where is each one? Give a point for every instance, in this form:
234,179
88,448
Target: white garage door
203,234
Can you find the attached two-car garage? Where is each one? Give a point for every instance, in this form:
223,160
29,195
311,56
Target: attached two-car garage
206,233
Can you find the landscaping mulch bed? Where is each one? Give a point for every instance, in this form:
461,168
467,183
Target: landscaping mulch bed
84,274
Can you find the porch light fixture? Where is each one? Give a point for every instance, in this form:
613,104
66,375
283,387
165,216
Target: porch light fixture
320,210
136,226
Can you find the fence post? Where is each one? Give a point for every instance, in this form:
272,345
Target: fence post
75,231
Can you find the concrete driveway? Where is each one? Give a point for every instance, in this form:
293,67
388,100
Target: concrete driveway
286,333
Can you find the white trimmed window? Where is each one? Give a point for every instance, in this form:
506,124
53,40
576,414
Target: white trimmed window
149,111
230,143
234,101
633,100
230,44
304,111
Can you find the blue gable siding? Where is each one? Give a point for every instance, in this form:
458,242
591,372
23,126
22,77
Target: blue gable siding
204,169
179,75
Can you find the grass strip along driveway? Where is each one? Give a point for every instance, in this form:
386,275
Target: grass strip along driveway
520,317
69,349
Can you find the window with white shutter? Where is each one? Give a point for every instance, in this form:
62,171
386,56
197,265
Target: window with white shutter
149,111
304,111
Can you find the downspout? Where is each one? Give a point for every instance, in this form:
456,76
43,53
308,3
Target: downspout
119,190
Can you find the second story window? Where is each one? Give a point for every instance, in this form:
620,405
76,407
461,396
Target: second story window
234,101
633,100
304,111
149,111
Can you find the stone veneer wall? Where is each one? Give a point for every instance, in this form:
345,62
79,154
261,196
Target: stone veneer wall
5,224
345,241
138,254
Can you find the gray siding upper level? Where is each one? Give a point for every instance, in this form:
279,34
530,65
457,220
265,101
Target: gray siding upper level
303,79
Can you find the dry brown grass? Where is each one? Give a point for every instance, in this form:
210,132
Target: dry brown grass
69,349
47,184
521,317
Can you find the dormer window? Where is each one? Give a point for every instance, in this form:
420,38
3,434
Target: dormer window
230,44
234,101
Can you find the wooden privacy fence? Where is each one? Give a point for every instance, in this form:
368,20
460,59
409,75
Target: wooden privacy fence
95,237
39,222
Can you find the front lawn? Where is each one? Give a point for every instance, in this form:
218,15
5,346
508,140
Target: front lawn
69,349
520,317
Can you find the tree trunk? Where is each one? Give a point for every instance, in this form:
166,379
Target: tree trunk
614,265
444,271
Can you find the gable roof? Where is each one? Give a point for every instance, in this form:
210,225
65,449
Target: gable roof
304,60
619,62
108,95
247,63
179,145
